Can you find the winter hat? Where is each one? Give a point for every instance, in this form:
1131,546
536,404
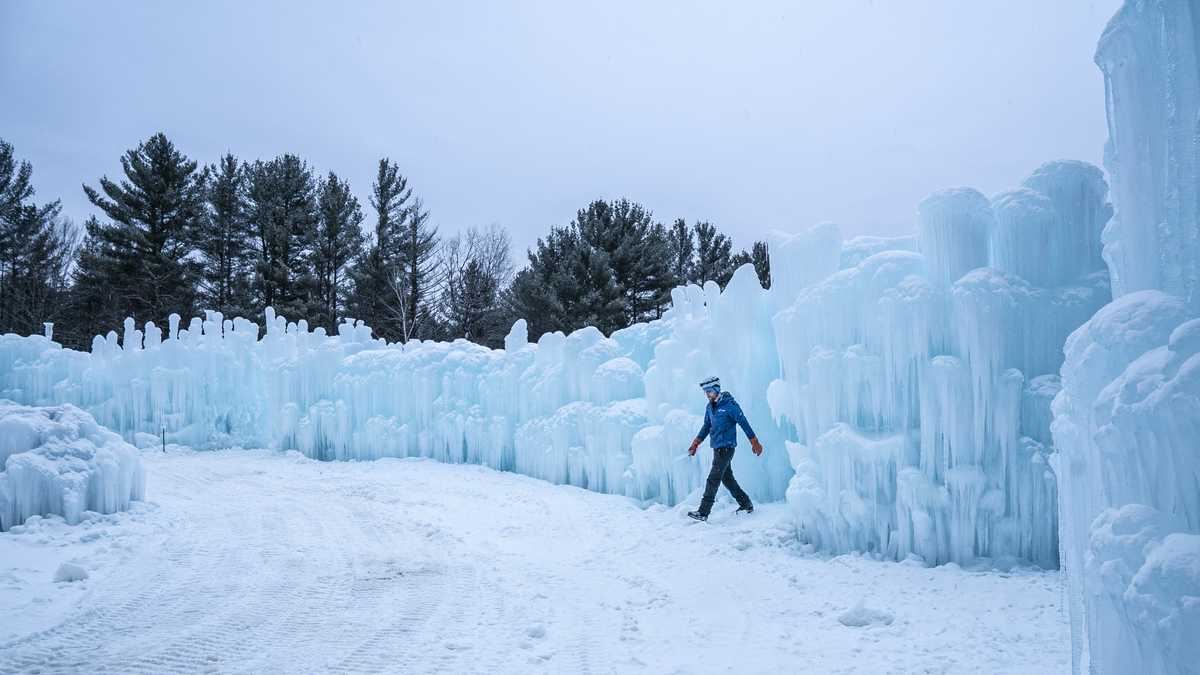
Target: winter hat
711,384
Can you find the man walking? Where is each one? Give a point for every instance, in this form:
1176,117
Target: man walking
722,416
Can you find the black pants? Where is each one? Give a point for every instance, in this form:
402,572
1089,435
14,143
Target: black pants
722,472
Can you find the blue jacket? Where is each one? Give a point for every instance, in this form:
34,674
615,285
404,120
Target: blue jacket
721,418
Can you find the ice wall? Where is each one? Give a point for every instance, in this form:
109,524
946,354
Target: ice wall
1127,420
57,460
918,385
613,414
901,386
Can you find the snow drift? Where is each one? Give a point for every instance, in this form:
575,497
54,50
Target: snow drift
57,460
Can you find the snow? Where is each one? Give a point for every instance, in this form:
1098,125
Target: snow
68,572
860,616
254,561
57,460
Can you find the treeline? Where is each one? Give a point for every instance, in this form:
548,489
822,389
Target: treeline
613,266
238,236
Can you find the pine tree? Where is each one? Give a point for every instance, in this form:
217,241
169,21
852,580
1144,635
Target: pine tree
141,256
43,290
532,297
652,287
478,321
97,306
370,293
758,257
611,267
601,300
418,279
16,189
282,212
226,241
682,243
637,250
36,249
713,261
338,240
375,275
567,285
740,258
390,197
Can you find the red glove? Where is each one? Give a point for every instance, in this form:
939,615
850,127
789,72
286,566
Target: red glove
756,446
693,447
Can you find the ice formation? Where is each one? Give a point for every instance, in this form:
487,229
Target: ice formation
903,396
1127,420
57,460
914,393
916,384
613,414
902,386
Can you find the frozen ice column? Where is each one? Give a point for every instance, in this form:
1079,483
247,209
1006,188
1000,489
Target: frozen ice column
1148,55
1048,231
954,229
1078,194
1125,421
1025,240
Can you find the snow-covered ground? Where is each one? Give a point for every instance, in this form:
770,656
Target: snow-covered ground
247,561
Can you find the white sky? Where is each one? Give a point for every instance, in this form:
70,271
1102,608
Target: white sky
756,116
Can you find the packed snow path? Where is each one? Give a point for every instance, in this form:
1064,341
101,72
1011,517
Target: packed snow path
249,562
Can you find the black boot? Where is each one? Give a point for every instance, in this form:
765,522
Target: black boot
696,515
747,509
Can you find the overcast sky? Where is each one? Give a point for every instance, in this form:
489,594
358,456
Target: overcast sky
755,116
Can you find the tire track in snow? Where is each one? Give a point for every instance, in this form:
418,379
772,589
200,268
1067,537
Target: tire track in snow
260,563
201,610
133,603
393,645
266,608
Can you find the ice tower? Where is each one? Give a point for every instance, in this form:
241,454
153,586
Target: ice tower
1127,422
917,385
